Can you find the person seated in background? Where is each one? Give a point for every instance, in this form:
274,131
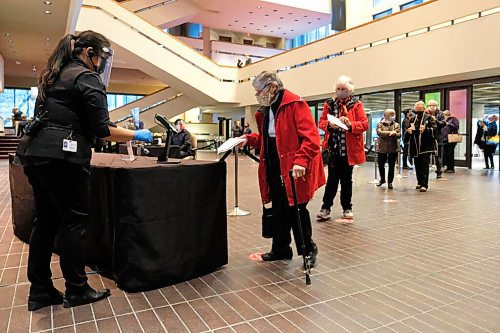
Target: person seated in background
389,133
20,126
237,129
452,127
183,139
130,124
16,114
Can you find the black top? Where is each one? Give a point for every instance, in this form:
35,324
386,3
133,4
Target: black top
77,109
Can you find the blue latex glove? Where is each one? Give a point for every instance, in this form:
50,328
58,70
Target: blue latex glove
143,135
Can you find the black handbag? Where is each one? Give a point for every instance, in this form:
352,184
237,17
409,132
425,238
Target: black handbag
267,222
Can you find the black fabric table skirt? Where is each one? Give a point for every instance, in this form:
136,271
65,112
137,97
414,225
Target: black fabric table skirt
151,225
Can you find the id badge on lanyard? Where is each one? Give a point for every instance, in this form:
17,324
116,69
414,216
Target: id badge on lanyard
69,144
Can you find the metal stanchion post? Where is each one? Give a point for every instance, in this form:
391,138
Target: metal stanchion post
399,176
236,211
375,181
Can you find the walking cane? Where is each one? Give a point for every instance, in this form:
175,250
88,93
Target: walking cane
307,262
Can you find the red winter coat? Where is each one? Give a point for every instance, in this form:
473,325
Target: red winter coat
297,142
354,138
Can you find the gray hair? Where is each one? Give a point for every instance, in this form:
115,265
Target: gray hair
432,101
387,111
266,78
420,103
345,81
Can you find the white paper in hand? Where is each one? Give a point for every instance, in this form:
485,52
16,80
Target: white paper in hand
229,144
336,121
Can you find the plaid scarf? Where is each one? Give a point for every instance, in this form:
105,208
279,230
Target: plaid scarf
338,108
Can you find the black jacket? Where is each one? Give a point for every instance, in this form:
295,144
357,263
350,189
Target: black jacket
184,141
77,109
425,142
440,124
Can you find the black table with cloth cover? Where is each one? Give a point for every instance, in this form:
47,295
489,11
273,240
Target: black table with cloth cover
152,225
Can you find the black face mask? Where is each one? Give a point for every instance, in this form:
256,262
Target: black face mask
99,69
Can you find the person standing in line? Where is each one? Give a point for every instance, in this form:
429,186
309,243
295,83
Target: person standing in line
452,127
288,140
421,144
438,117
389,134
405,125
346,147
490,130
56,160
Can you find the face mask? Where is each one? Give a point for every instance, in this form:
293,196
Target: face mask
265,99
392,118
342,94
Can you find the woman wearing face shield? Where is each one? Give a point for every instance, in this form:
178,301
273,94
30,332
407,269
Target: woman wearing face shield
346,147
56,158
288,140
389,133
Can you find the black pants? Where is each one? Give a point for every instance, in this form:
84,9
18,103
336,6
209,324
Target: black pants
339,170
449,155
439,158
61,192
382,159
422,169
284,217
489,150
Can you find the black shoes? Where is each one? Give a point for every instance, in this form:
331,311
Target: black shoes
88,296
438,175
450,171
273,256
381,182
40,300
389,186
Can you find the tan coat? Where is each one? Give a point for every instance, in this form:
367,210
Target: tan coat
388,144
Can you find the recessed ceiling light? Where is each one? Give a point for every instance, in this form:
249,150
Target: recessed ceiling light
244,27
229,25
305,15
291,30
7,34
10,40
251,23
275,10
259,7
290,13
284,33
308,22
281,18
236,21
47,2
266,15
272,31
18,62
48,39
279,28
296,20
258,28
250,12
47,12
265,26
319,18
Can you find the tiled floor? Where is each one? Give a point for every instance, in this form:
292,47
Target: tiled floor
411,262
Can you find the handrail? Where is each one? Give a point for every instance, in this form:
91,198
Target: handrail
323,57
140,99
152,106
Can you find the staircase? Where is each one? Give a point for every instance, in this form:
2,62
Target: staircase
8,144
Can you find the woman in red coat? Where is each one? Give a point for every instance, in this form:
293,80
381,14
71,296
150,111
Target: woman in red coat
346,147
288,140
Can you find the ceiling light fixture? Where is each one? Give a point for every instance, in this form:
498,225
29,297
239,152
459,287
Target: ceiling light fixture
48,39
251,23
281,18
7,34
48,2
250,12
18,62
275,10
47,12
259,7
305,15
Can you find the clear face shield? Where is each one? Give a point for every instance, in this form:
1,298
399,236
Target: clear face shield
104,69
